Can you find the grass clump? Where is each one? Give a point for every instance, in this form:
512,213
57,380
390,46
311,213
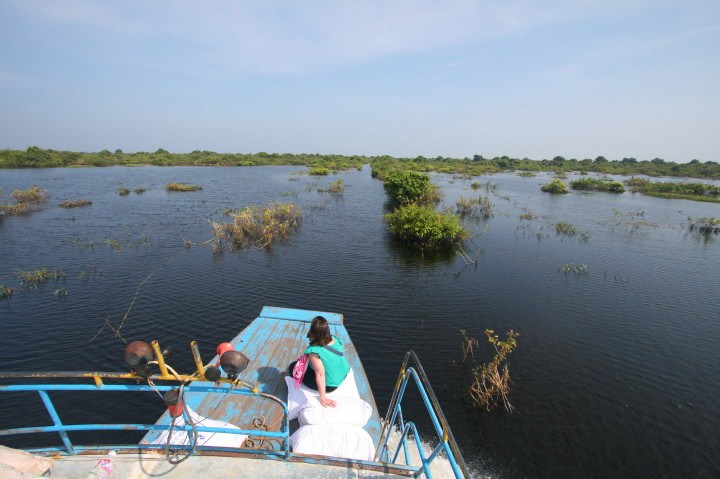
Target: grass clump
182,187
5,292
75,203
407,187
475,185
31,195
556,186
490,383
581,268
13,210
123,191
337,188
527,215
565,229
257,226
140,191
421,226
37,277
597,184
526,174
704,225
475,207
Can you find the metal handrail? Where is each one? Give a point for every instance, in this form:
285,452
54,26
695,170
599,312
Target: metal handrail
63,429
442,428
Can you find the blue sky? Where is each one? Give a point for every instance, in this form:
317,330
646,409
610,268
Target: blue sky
435,78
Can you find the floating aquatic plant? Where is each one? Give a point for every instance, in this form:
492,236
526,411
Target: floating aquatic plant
140,191
123,191
75,203
182,187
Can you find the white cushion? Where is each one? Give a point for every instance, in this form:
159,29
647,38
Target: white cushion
204,438
335,440
298,397
347,410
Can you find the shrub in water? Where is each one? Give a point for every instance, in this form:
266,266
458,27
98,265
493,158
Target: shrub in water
407,187
424,227
555,187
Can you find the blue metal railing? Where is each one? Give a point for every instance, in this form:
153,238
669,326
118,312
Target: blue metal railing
394,418
63,429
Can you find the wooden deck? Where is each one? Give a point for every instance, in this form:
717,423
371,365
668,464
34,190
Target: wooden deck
271,342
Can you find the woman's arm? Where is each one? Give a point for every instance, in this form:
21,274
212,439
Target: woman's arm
320,379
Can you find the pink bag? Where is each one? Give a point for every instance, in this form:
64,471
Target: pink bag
299,370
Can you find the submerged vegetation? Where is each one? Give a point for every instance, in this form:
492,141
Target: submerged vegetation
12,210
598,184
667,189
5,292
480,207
182,187
37,277
257,226
31,195
490,382
581,268
704,225
75,203
556,186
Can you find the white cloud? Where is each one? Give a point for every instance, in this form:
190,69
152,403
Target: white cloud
300,37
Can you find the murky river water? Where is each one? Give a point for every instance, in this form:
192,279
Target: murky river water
616,371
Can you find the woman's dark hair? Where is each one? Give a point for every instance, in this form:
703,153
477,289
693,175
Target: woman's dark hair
319,333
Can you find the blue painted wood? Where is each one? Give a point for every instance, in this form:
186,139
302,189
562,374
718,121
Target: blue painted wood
272,341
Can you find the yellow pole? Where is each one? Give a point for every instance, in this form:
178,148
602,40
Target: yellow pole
160,358
198,359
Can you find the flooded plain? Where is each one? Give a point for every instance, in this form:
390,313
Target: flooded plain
615,373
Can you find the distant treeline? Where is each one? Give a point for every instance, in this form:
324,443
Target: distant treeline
35,157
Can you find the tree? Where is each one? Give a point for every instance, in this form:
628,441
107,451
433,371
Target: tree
657,161
629,160
601,159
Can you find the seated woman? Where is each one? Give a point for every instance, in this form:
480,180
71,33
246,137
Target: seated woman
327,366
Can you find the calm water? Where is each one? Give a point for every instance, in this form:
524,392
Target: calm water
616,371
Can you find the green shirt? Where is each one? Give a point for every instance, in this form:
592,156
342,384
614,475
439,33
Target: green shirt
336,367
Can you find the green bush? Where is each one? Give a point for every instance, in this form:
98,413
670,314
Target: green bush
407,187
424,227
597,184
555,187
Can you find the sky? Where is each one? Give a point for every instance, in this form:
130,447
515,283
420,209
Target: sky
454,78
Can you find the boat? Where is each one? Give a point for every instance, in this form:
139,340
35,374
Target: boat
233,415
